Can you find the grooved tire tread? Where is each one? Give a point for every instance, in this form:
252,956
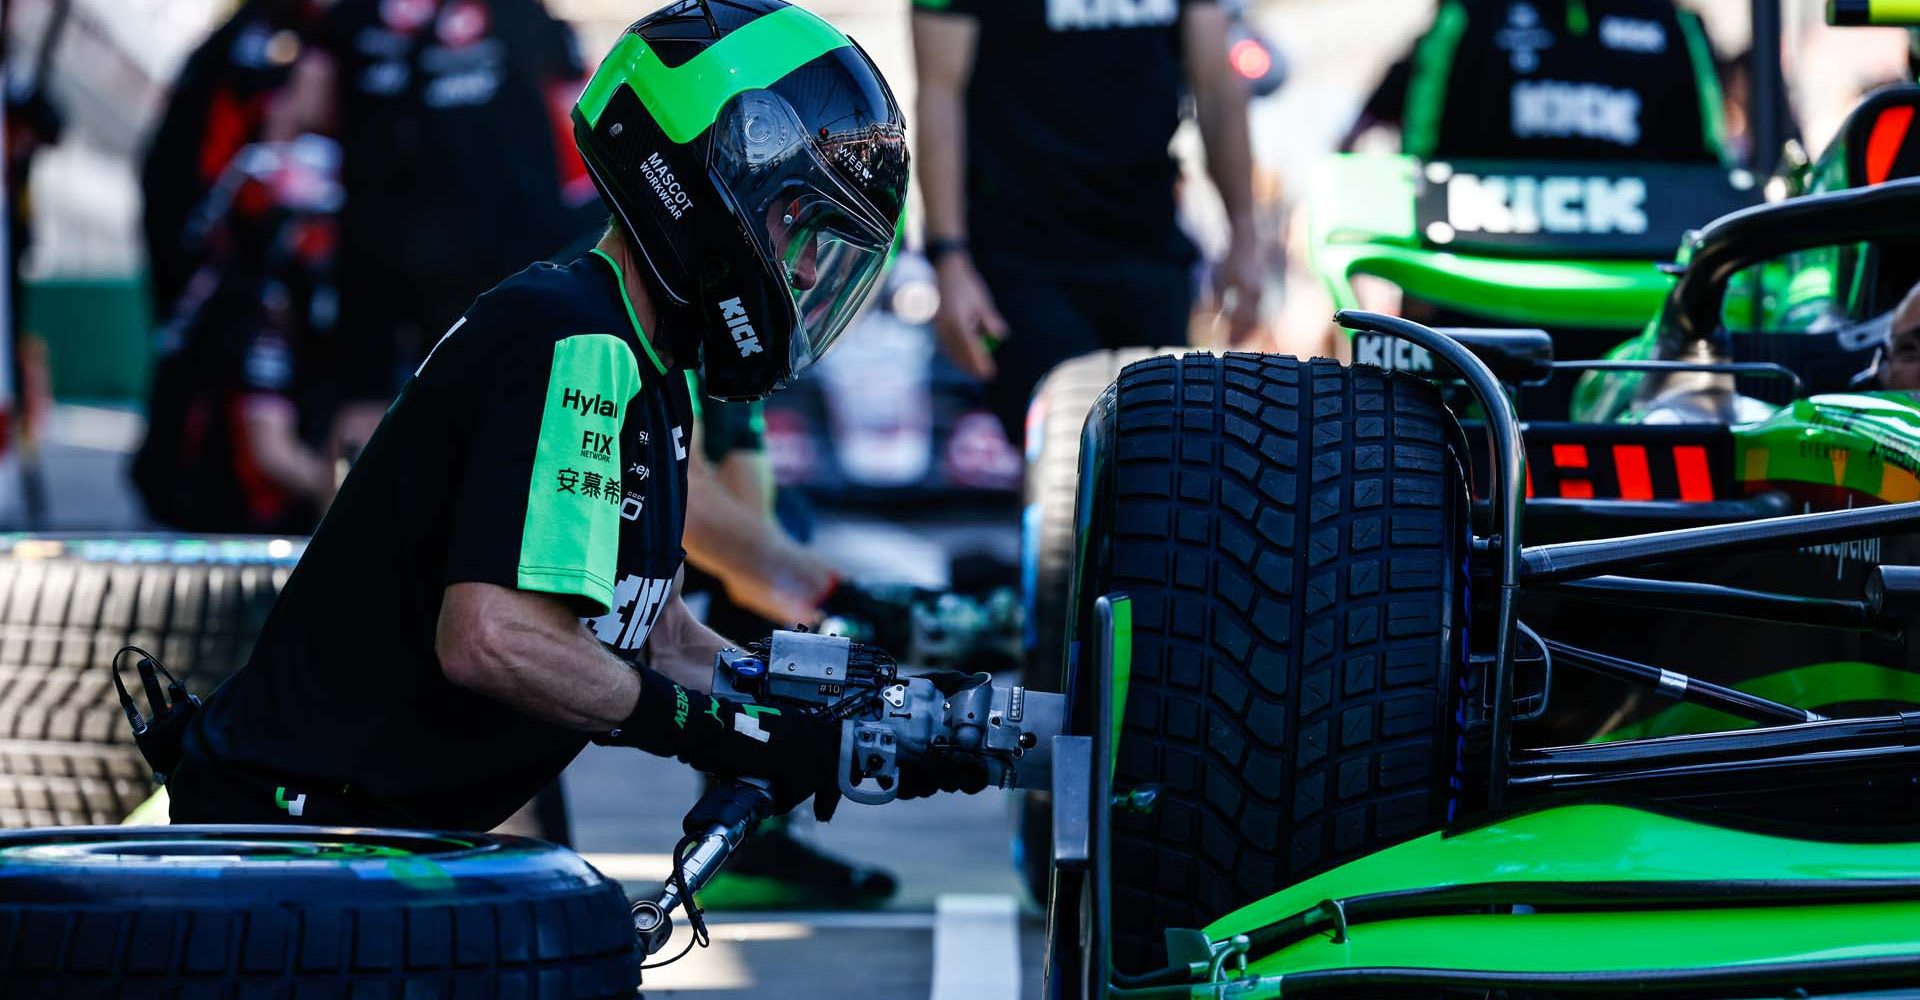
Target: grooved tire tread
66,753
1288,532
538,935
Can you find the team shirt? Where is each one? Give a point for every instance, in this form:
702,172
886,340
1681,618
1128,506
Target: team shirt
1070,107
541,446
1564,80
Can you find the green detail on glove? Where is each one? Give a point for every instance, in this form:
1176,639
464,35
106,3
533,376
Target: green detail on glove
686,99
679,707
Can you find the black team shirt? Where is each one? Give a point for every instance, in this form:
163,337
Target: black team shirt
541,446
1070,107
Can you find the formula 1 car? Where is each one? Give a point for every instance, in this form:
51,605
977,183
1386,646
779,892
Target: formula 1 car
1368,702
1298,665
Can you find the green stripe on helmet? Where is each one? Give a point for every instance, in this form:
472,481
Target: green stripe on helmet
686,99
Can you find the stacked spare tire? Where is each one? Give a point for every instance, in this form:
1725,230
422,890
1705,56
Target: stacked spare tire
66,605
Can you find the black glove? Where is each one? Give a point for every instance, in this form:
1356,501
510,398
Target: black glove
943,773
795,751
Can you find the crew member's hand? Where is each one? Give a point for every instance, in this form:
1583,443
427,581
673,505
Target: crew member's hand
791,586
942,773
794,751
797,755
1237,286
967,317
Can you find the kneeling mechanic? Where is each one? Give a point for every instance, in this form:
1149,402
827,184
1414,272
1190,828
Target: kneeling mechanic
499,579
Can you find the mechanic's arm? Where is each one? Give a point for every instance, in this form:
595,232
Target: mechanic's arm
681,647
731,533
943,49
1220,98
529,650
305,103
273,444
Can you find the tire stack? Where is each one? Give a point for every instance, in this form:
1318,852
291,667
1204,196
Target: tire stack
67,604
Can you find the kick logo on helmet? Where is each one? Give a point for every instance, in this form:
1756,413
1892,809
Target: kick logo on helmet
736,316
757,162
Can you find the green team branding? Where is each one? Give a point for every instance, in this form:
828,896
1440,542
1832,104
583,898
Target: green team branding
679,707
570,540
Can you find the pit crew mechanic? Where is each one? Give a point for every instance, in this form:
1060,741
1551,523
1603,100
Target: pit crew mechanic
498,580
1603,80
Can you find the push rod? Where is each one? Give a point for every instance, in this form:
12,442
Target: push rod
1725,602
1760,369
1679,686
1541,564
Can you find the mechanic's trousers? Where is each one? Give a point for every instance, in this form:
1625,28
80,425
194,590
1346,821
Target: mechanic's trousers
201,791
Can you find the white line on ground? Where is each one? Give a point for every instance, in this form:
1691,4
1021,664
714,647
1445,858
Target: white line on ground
976,948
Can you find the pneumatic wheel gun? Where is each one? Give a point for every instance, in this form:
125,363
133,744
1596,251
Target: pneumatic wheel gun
888,718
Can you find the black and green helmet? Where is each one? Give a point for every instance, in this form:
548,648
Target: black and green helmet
758,161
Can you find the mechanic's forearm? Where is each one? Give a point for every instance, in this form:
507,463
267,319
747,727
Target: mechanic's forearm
274,446
1222,112
681,648
530,652
726,534
941,128
748,475
732,535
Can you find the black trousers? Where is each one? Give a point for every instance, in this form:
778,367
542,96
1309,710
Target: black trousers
1055,313
200,791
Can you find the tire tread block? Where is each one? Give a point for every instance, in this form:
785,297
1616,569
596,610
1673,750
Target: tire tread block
1292,715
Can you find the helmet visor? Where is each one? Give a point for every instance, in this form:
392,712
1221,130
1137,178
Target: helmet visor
816,208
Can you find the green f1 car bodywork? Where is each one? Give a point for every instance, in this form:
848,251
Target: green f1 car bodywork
1660,852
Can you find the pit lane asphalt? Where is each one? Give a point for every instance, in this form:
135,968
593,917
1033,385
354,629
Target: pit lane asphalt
950,851
626,806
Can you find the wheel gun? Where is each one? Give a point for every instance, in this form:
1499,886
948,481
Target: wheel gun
886,719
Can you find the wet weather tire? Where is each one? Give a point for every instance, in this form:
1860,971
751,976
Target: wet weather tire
1290,534
227,912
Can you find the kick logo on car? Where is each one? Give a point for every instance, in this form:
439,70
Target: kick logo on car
1525,205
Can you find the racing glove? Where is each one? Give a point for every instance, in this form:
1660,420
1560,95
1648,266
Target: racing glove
795,751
